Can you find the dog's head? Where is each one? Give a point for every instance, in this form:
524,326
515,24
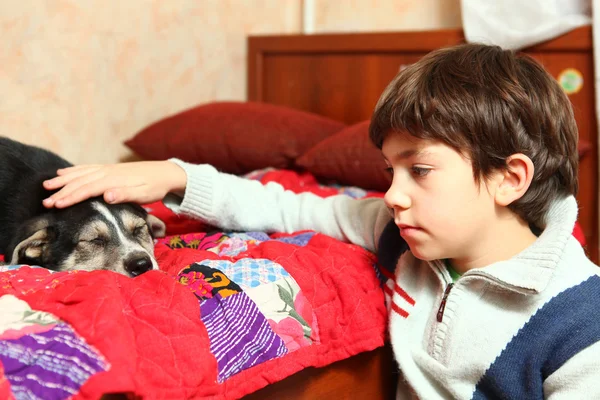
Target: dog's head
91,235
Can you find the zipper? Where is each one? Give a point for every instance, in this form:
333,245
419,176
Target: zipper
440,313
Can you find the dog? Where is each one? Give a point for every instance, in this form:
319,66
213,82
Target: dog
91,235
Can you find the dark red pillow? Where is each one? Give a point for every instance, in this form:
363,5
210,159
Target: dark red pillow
235,137
583,147
349,158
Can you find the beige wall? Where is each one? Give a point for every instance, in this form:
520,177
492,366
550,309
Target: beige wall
80,76
322,16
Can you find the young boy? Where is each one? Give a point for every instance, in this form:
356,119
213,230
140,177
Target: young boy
495,298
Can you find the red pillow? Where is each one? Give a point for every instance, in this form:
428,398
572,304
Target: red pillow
235,137
583,147
349,158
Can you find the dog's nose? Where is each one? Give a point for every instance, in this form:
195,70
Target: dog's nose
137,265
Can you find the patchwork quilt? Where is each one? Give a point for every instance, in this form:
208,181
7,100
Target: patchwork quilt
229,313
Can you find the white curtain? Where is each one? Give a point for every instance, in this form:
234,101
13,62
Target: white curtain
514,24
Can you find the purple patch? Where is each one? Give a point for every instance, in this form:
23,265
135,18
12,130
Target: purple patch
301,239
240,336
49,365
260,236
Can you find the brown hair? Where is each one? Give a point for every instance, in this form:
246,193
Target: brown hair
488,103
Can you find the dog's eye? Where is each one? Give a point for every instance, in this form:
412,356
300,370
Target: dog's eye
139,230
96,241
99,241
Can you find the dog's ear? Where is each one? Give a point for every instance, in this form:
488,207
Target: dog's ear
157,227
32,243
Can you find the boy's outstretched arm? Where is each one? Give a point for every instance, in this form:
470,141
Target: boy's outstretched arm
230,202
138,182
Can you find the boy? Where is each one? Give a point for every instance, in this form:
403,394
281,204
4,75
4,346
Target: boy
495,298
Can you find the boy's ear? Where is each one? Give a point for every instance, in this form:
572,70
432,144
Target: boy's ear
515,180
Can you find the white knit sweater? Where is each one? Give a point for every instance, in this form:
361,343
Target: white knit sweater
528,327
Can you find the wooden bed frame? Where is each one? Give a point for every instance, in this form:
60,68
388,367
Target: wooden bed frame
341,76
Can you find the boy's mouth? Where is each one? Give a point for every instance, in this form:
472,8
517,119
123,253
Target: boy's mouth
404,226
408,230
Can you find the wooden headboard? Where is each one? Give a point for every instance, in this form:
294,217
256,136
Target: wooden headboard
342,76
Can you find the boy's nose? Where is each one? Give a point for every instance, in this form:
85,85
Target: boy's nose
396,198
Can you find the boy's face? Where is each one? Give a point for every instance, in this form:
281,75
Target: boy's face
442,212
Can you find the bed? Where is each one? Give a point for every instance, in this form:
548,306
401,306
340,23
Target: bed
154,336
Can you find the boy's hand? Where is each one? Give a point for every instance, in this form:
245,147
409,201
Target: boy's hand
139,182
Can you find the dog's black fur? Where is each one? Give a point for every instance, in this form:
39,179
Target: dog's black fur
47,237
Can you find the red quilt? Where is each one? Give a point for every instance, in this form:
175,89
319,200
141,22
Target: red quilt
227,314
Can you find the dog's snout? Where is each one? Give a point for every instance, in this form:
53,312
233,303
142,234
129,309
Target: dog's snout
138,264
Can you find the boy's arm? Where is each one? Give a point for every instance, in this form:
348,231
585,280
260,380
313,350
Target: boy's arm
577,378
235,203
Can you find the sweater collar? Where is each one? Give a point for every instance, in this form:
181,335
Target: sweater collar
531,270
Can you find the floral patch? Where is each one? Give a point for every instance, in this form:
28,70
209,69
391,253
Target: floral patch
288,311
196,241
206,282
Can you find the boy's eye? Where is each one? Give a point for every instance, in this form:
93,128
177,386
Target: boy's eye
420,172
389,170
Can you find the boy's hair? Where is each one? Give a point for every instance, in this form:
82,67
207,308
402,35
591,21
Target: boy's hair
488,103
